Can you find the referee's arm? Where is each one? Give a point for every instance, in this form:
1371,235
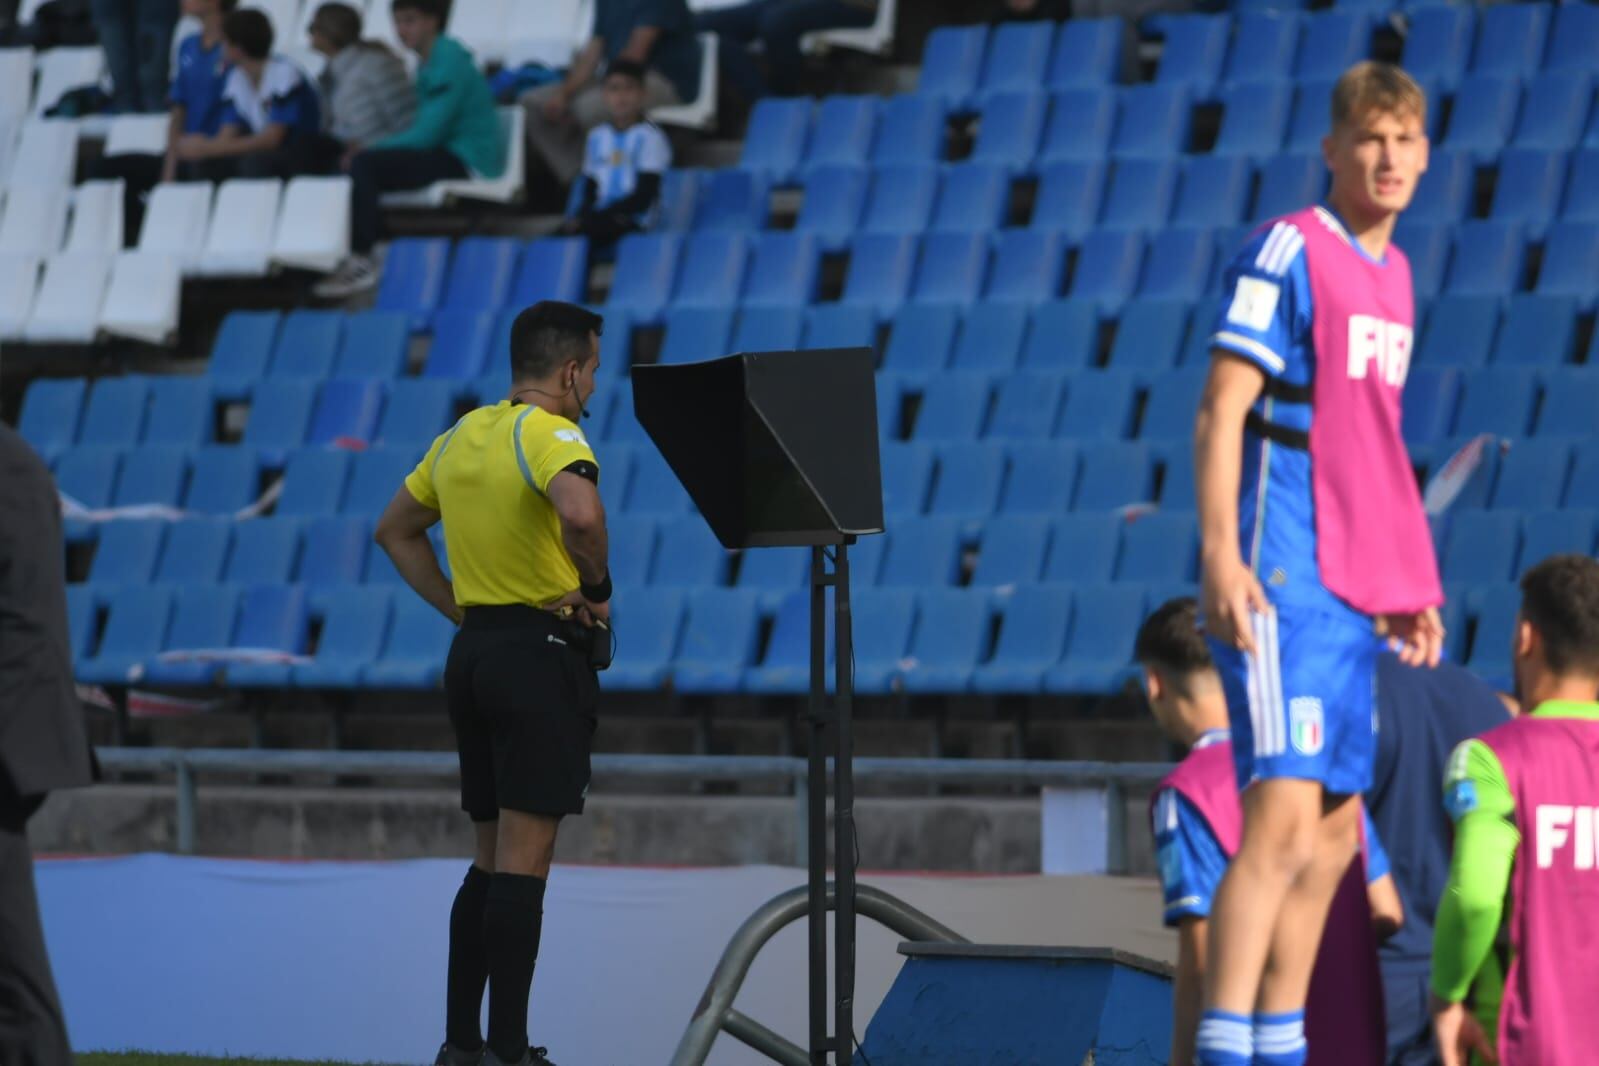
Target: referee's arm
402,532
576,499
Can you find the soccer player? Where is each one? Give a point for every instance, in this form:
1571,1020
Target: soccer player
1196,818
1313,538
1525,800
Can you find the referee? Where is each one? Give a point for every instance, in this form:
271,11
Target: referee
516,485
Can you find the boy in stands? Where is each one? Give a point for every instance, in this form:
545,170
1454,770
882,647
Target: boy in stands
622,163
1314,538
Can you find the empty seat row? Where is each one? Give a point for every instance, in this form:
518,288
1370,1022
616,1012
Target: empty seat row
1493,546
247,226
426,275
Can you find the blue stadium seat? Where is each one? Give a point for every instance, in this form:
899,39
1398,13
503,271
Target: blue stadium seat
1498,400
1583,489
631,547
968,482
241,352
413,657
1582,191
880,267
1573,39
1484,111
921,339
950,637
1445,190
180,411
1487,259
1088,52
921,552
1018,56
655,489
88,476
1510,39
954,408
1115,473
712,274
1064,336
265,551
1140,194
1150,333
719,642
274,618
735,200
646,264
417,411
1308,123
1438,44
1107,267
1032,638
883,621
774,573
1100,650
1428,248
413,277
1214,191
1481,547
1459,332
907,470
1571,262
375,476
901,199
1429,401
991,337
1532,475
460,345
313,482
622,427
1194,49
135,631
1012,553
480,274
695,334
952,268
1177,265
1173,401
1010,128
1081,122
1152,122
115,413
1570,402
126,552
689,555
835,196
843,133
1177,481
783,270
775,139
375,344
1042,479
379,569
1263,48
81,622
768,329
347,412
1288,183
1528,189
952,61
910,132
354,629
203,618
1069,193
1538,331
307,345
973,197
154,474
223,480
680,197
1556,532
1553,110
280,414
1028,266
1330,42
1159,548
550,268
657,614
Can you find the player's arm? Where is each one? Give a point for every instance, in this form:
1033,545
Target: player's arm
1382,895
1190,863
1230,590
402,532
1188,995
577,503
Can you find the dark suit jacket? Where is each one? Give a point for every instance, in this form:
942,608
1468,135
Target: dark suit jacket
43,745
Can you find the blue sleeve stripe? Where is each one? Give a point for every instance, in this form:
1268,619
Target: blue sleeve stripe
1250,347
521,456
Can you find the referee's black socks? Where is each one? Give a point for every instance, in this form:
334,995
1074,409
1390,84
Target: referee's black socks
513,918
469,965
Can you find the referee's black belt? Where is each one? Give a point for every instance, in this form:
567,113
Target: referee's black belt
516,616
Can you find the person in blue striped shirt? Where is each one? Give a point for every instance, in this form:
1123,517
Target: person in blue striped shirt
623,161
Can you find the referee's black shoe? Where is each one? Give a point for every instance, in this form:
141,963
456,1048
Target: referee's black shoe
535,1056
453,1056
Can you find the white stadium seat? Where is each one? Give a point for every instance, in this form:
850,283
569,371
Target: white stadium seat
876,39
63,69
143,298
551,37
35,219
67,309
96,218
482,25
27,10
700,112
505,189
136,135
19,280
314,224
175,221
16,83
238,242
46,153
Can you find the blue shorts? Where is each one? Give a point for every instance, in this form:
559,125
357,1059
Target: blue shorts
1302,705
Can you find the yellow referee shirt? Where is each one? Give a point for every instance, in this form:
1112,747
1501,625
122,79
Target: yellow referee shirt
487,476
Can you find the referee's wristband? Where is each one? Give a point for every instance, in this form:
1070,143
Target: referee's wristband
597,593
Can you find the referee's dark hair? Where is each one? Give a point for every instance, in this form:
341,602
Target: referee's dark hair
1560,599
1170,642
548,334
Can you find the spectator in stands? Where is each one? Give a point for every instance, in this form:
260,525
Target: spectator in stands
456,134
194,106
778,25
137,38
623,164
656,34
271,114
366,91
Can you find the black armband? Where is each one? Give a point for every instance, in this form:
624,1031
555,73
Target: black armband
583,469
597,593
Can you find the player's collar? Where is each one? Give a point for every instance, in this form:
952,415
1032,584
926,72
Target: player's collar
1212,736
1335,225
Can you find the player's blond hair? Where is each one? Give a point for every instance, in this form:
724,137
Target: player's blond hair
1382,87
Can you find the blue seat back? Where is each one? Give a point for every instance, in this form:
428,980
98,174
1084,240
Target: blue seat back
1042,479
1013,552
1538,331
733,200
1149,336
774,142
1034,629
840,326
1107,267
264,551
115,413
1152,121
844,128
88,475
1556,532
180,412
152,475
646,265
223,480
907,472
355,626
713,270
722,628
1484,112
375,476
969,480
952,61
1510,39
1570,402
1288,183
136,623
126,552
280,415
376,344
416,411
835,196
243,350
1529,187
335,552
1571,261
307,345
1573,38
273,617
1330,42
460,347
1064,336
1254,119
910,131
1459,332
1438,44
1011,128
413,277
203,618
991,337
1159,548
952,267
1194,49
1481,547
1018,56
1099,406
880,268
1177,265
1444,190
1088,51
973,197
1532,475
902,198
1487,259
347,411
1429,401
550,268
1140,194
313,482
1081,122
954,408
695,334
1115,474
1498,400
768,329
1069,193
1028,266
783,270
921,551
1214,191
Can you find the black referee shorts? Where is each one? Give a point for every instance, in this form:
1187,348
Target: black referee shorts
522,700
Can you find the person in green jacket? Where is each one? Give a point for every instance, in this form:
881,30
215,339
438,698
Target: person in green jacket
456,134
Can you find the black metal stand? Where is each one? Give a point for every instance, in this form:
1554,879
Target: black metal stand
841,1043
